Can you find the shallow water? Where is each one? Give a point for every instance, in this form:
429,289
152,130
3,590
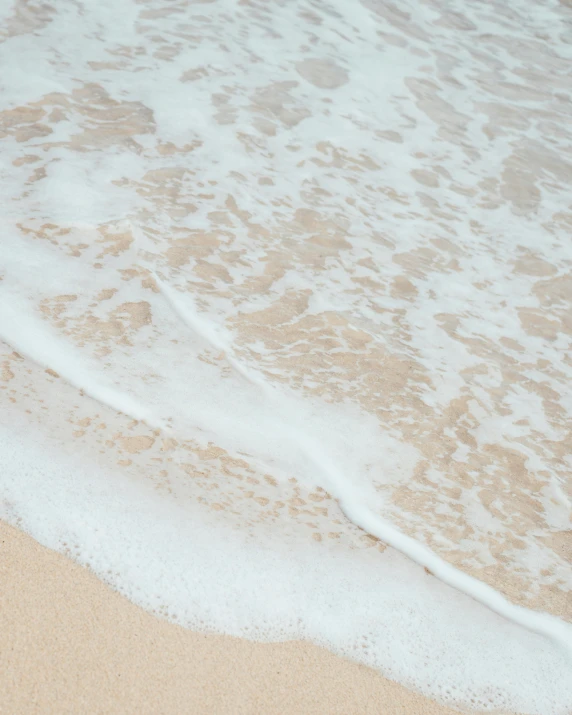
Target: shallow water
284,283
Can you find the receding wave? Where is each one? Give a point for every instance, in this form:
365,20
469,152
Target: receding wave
285,326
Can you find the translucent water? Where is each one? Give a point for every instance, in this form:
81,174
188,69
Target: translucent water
285,320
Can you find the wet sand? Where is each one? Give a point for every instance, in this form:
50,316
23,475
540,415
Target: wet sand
398,247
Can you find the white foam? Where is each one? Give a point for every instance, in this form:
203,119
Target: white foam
353,499
185,564
29,337
450,90
162,541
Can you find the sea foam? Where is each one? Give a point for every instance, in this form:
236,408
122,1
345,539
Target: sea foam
284,311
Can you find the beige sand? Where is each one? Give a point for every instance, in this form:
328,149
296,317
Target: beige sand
72,645
69,644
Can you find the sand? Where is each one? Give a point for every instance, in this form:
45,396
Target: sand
407,247
70,644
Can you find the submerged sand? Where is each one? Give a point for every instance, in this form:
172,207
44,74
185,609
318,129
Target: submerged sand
392,255
70,644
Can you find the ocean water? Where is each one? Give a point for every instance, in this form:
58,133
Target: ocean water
286,323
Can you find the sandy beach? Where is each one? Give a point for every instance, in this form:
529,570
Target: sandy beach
285,338
70,644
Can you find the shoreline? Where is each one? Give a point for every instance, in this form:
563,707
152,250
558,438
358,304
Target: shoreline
72,644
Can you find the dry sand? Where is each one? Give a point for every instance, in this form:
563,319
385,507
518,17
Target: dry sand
70,644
